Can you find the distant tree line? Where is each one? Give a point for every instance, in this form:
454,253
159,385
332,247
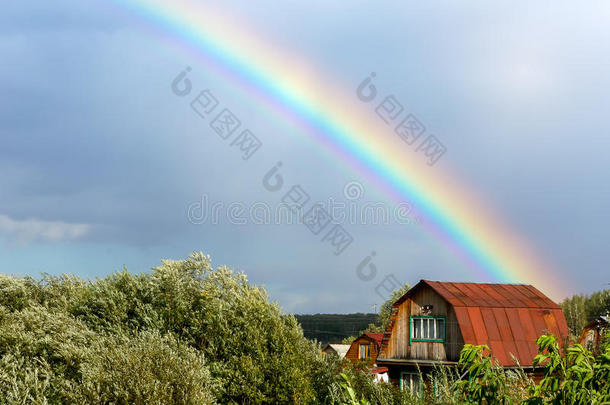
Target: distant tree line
385,312
581,309
333,328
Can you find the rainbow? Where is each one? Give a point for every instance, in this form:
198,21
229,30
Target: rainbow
344,125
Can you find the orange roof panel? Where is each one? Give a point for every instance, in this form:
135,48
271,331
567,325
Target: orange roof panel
490,324
527,324
503,325
473,293
499,299
511,351
551,323
465,325
507,300
525,356
561,322
443,291
538,320
480,293
545,302
499,352
521,294
458,295
516,325
480,332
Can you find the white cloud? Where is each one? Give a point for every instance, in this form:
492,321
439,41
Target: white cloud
29,230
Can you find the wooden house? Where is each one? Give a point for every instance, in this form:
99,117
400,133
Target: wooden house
430,324
593,334
338,350
365,348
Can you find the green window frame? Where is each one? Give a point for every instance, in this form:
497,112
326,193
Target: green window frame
420,386
432,324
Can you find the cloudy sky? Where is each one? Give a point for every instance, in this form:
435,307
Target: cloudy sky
103,166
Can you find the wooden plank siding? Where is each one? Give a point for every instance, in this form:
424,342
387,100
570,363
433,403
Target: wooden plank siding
399,345
354,350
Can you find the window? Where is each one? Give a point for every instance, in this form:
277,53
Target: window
411,382
427,329
363,353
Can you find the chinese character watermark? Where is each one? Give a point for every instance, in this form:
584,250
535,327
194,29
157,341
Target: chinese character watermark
407,126
224,123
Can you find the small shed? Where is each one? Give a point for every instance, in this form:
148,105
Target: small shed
338,350
593,334
365,348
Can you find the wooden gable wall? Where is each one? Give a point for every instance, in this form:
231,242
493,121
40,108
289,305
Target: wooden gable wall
352,353
398,345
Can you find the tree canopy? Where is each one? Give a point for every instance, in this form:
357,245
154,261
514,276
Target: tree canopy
581,309
194,335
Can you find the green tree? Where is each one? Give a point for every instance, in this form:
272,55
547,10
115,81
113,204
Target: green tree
581,309
348,340
574,309
195,334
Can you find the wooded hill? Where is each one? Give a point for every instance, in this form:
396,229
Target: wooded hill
333,328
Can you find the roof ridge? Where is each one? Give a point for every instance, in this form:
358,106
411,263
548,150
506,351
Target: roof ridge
500,306
472,282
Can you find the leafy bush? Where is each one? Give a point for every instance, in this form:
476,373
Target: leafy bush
570,376
576,378
143,339
41,354
146,369
485,381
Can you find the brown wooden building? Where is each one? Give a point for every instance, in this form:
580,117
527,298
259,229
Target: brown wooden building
593,334
365,348
431,323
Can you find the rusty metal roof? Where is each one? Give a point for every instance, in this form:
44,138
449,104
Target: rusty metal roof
506,317
489,295
377,337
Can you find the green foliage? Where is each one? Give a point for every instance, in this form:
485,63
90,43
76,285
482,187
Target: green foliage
576,378
349,394
572,376
442,387
354,385
182,334
189,334
147,369
485,382
386,308
41,354
48,356
348,340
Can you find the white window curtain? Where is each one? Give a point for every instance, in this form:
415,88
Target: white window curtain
428,328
